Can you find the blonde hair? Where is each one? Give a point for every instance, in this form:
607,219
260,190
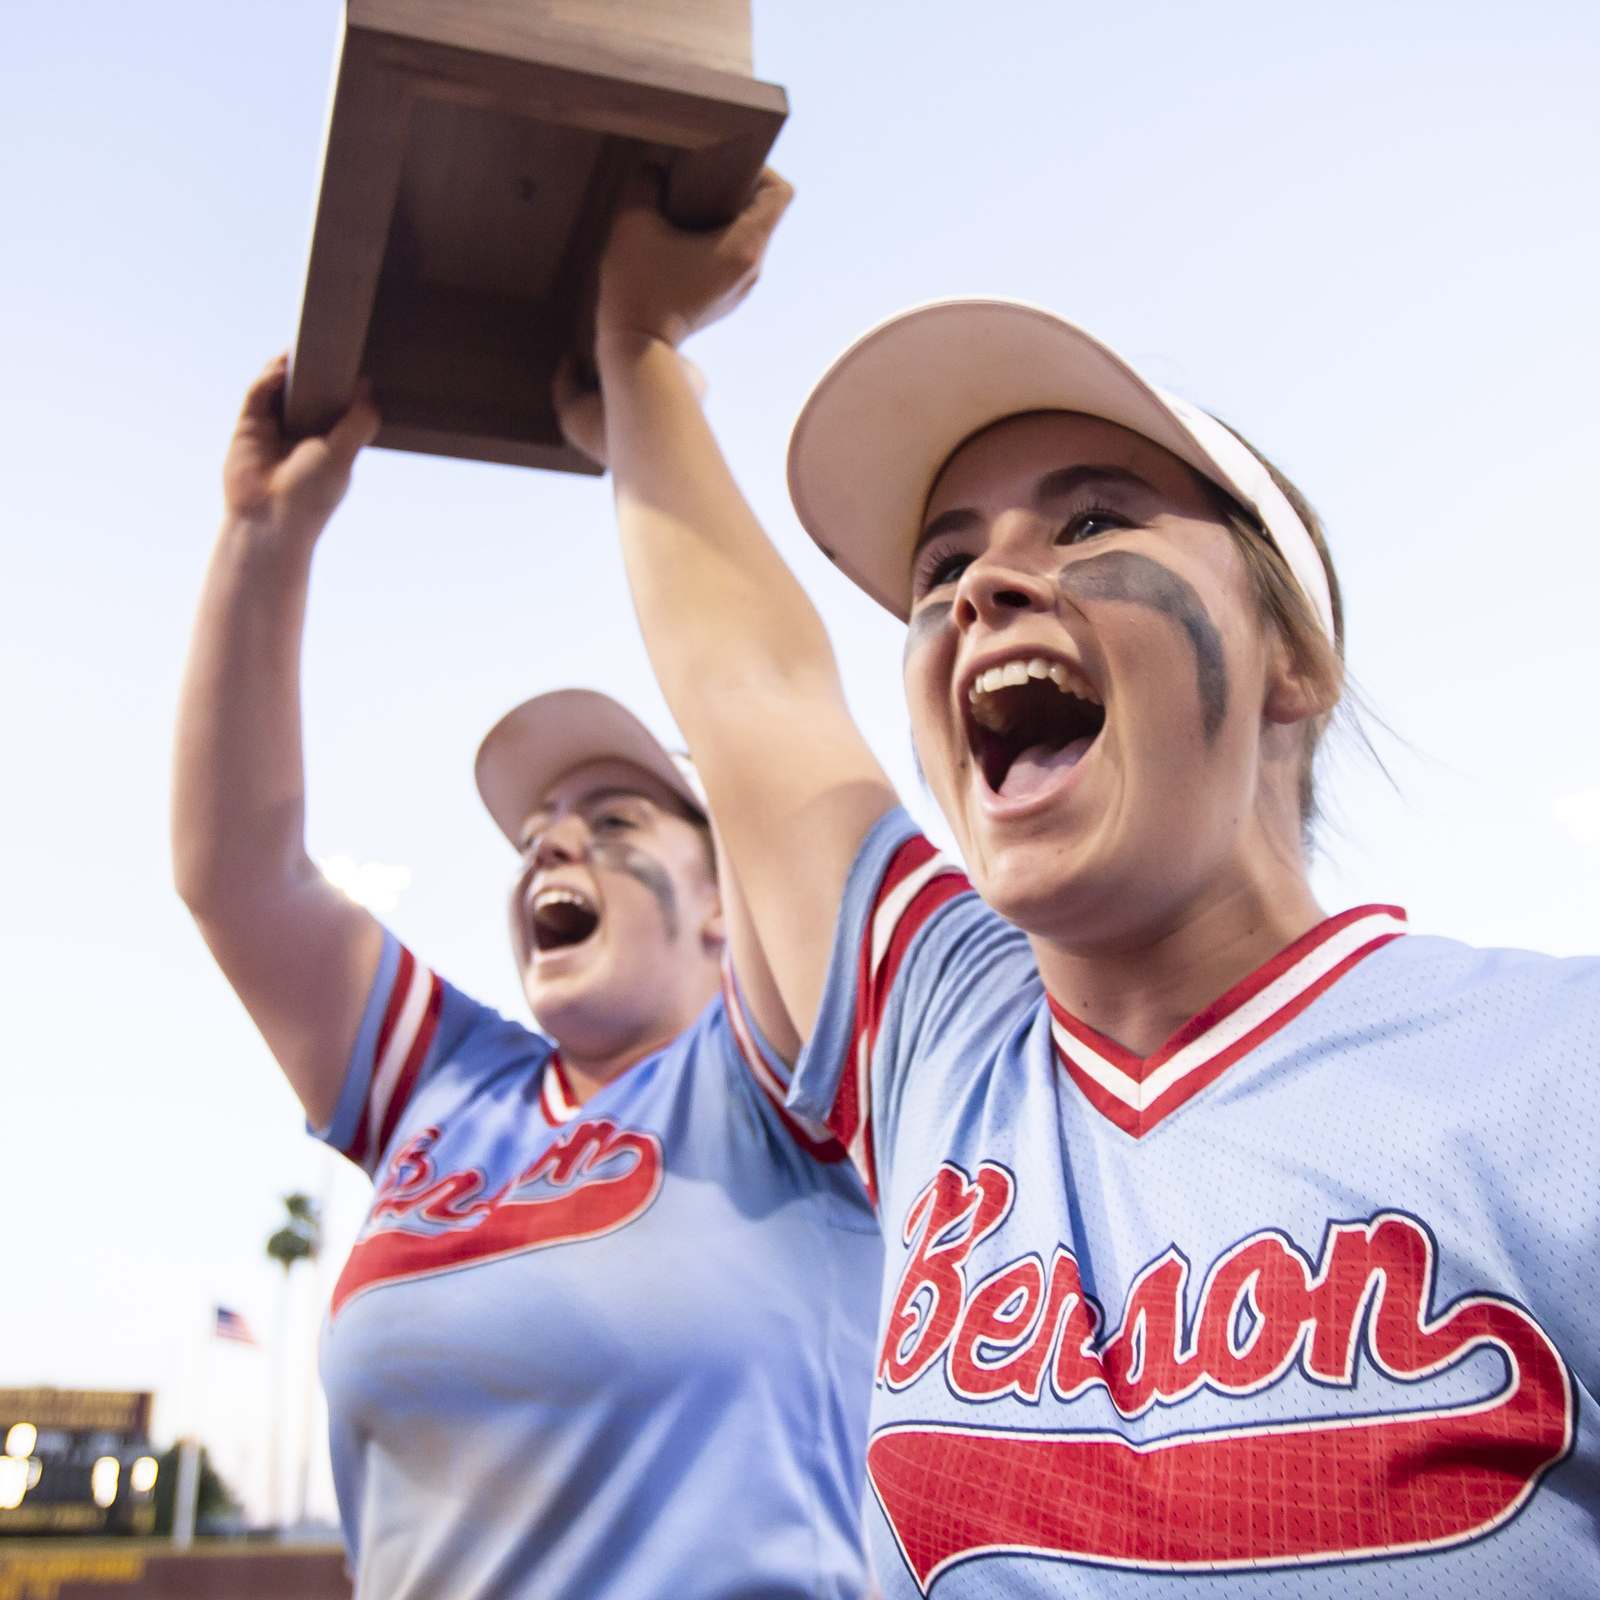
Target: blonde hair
1283,604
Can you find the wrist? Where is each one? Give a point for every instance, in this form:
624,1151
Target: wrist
631,340
267,541
621,352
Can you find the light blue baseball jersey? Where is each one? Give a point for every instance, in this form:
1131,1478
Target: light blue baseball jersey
1305,1303
619,1349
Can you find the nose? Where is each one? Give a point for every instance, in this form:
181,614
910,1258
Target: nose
998,586
561,843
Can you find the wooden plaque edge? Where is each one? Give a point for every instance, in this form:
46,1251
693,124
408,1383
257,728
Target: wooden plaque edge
712,130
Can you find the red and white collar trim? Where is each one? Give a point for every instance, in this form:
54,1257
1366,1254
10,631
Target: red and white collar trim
1137,1092
556,1098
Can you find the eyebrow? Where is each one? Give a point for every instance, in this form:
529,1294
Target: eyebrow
614,791
540,817
1052,486
1069,480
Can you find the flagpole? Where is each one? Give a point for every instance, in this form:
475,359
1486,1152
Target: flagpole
186,1493
186,1497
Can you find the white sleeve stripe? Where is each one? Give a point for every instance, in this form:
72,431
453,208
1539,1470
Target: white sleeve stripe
748,1048
886,920
887,917
387,1073
859,1149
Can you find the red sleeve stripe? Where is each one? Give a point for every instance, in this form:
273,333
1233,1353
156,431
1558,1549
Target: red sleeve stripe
409,1022
825,1150
417,1054
397,993
916,884
914,865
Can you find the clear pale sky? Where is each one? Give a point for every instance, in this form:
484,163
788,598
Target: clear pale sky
1365,234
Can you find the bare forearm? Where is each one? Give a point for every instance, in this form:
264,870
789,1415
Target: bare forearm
239,777
694,548
745,664
298,953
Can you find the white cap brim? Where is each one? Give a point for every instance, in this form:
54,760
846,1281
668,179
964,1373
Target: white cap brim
889,413
538,743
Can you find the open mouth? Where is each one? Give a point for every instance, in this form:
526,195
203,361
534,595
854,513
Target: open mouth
1029,719
562,918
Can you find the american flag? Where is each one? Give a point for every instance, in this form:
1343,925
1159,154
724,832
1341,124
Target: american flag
230,1325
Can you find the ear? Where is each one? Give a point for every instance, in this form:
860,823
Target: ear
1294,692
714,925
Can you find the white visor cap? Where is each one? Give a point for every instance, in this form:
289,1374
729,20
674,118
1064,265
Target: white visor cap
884,419
536,744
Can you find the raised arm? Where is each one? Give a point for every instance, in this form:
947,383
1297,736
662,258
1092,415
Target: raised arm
300,955
739,650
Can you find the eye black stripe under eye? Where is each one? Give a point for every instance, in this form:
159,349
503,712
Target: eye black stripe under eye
924,622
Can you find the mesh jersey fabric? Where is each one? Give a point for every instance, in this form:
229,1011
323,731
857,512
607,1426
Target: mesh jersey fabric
609,1350
1305,1302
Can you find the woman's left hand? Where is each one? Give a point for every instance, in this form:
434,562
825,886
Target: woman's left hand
658,281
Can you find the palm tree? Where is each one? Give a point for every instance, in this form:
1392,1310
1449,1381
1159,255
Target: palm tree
299,1238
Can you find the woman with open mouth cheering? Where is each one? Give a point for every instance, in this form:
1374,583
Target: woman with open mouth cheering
1224,1236
606,1330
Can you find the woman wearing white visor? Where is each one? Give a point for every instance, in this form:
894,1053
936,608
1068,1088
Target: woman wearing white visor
1224,1236
606,1330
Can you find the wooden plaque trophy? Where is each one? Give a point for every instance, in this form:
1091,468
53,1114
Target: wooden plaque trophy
475,153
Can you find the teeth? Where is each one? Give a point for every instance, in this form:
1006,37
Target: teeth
553,897
989,714
987,682
1076,684
1012,674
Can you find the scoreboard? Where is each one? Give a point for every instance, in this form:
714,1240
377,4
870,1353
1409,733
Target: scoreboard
76,1461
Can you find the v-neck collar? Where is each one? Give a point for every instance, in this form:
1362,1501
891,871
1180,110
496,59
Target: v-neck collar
559,1101
556,1099
1137,1092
